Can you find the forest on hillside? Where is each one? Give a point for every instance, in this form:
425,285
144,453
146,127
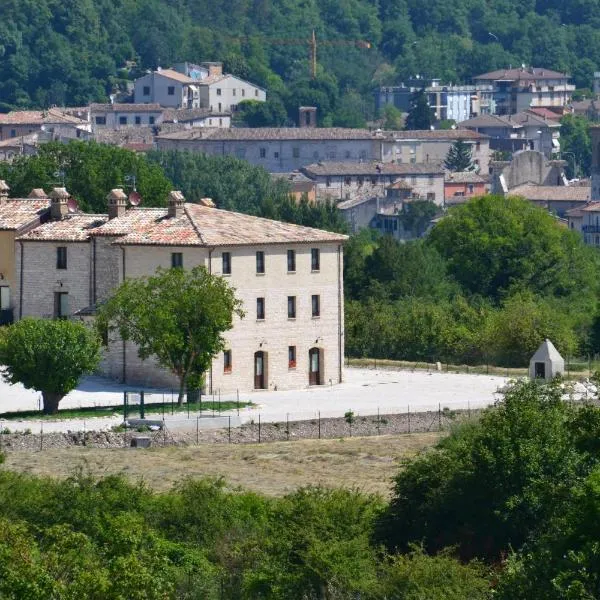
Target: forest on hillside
71,52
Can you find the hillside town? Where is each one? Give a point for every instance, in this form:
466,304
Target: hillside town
299,301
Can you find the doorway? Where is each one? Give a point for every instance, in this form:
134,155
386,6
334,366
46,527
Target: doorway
539,370
314,369
259,370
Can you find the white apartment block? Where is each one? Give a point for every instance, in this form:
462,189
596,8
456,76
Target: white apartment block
205,86
289,278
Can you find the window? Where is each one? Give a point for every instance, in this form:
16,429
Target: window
471,188
176,260
347,154
431,180
360,180
291,357
260,262
13,133
316,305
256,93
122,120
291,261
226,259
291,307
260,309
138,120
328,181
363,155
61,305
233,91
431,196
347,180
220,108
315,259
4,297
146,90
276,154
100,120
151,120
227,361
61,257
243,92
296,152
219,91
171,90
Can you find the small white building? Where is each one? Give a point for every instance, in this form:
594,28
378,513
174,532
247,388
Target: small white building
546,363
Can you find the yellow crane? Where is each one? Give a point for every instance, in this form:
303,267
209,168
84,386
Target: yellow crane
312,44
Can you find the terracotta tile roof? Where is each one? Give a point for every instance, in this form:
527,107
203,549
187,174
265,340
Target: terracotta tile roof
464,177
528,73
371,169
545,113
554,193
591,207
72,228
17,213
38,117
489,121
175,75
205,226
151,107
269,133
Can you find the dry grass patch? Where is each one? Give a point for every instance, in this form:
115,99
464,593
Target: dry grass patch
274,468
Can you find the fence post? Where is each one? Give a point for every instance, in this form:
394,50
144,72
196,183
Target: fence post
41,435
164,428
142,408
197,430
319,421
171,402
238,401
229,429
219,401
124,405
287,426
378,430
440,417
259,428
409,418
469,408
163,407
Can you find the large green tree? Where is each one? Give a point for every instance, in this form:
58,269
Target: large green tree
459,157
176,316
49,356
420,114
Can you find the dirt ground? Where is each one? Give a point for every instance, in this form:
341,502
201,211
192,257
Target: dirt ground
273,468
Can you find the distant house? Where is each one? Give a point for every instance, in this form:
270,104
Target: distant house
556,199
460,186
54,122
119,116
341,181
196,117
18,146
196,86
516,90
300,185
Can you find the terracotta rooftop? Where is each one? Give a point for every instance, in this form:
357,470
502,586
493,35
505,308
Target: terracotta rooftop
520,74
175,75
464,177
72,228
554,193
269,133
151,107
16,213
371,169
591,207
205,226
38,117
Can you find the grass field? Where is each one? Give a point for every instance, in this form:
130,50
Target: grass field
273,469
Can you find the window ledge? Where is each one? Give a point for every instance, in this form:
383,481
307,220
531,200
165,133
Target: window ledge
291,272
315,270
260,320
260,274
225,274
316,317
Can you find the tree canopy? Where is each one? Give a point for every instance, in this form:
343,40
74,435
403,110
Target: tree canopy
177,317
420,114
49,356
459,157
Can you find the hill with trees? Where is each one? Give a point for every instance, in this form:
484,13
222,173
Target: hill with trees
77,51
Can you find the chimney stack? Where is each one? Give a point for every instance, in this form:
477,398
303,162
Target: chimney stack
175,204
4,189
37,194
59,198
215,69
308,116
117,203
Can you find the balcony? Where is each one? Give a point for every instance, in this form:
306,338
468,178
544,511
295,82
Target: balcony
591,228
6,316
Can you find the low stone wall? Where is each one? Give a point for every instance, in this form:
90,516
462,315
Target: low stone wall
355,426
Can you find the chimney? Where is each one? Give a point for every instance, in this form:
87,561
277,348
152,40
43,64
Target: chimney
308,116
215,69
175,204
37,194
4,189
117,203
59,198
208,202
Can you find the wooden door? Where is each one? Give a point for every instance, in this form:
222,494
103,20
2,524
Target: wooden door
259,371
314,361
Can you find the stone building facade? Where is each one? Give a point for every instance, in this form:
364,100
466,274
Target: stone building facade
289,278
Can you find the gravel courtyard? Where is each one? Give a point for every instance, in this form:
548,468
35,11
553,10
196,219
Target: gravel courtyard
364,392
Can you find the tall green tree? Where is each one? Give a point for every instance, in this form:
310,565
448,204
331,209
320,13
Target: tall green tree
459,157
175,316
576,145
49,356
420,114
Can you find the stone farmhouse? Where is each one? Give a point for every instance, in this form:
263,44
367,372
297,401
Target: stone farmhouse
289,278
17,216
196,86
54,121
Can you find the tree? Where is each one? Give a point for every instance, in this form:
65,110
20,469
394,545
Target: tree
48,356
176,316
576,145
392,118
420,114
459,157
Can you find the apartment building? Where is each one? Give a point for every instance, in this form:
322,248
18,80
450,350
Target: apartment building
515,90
54,121
119,116
289,278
